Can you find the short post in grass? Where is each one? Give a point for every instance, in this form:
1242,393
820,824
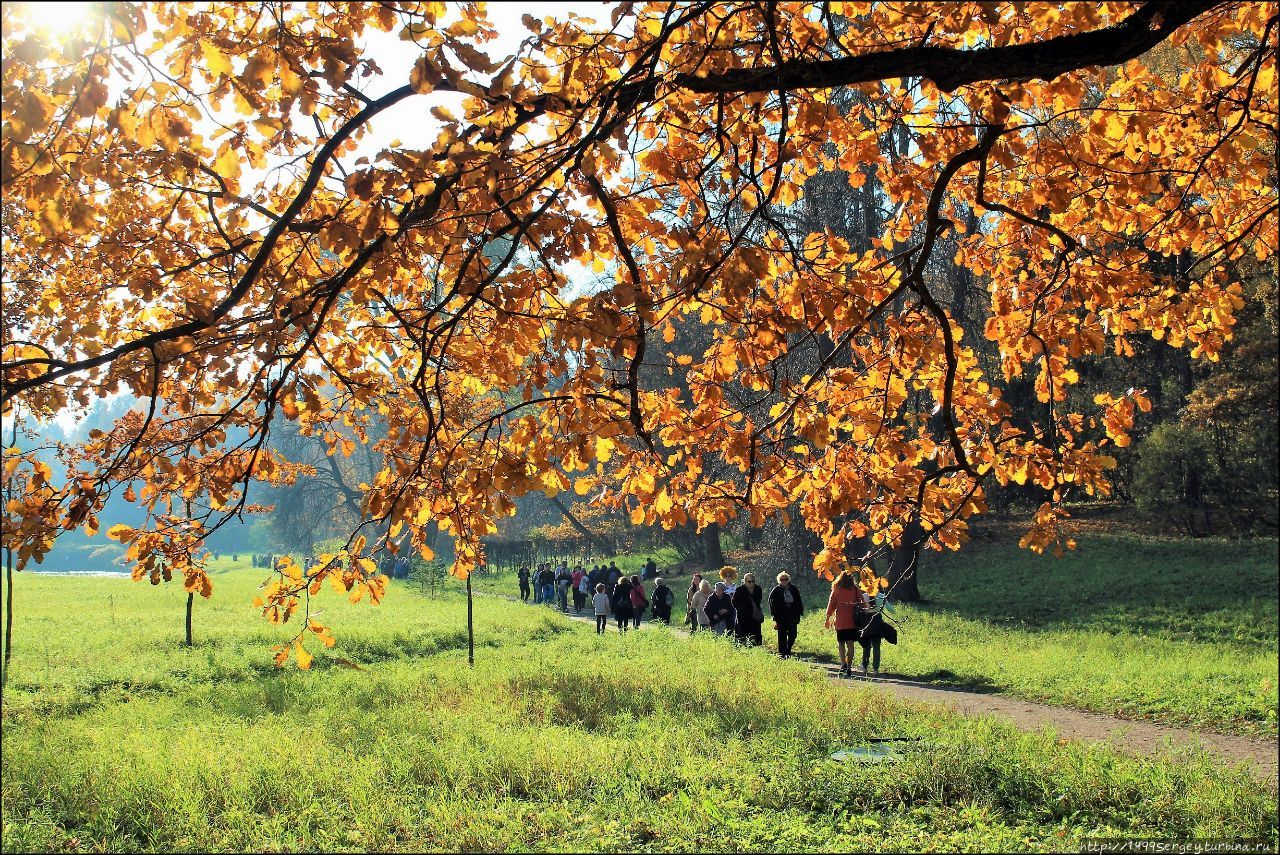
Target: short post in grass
8,571
8,614
471,632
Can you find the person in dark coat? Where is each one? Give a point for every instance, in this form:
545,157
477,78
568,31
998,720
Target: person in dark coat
746,602
719,609
546,585
663,600
523,575
873,628
786,607
621,600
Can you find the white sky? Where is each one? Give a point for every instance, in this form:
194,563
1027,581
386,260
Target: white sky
410,121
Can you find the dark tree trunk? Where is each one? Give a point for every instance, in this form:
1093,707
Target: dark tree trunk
712,553
802,545
904,576
191,598
605,546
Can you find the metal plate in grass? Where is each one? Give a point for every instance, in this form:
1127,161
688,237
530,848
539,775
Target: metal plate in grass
867,754
884,750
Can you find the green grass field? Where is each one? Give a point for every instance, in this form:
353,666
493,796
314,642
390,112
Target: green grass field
1173,630
116,737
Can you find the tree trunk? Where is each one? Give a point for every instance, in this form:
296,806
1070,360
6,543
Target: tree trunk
605,546
191,598
802,545
712,553
904,576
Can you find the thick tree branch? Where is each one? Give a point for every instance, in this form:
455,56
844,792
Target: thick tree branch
951,68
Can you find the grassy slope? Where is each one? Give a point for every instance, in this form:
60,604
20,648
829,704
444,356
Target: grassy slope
115,737
1173,630
1169,629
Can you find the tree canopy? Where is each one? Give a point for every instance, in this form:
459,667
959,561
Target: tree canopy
185,219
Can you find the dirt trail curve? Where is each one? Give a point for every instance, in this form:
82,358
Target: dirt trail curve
1139,737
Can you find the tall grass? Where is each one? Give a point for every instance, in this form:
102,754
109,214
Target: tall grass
1174,630
558,739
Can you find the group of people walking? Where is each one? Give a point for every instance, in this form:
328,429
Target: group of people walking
623,596
727,607
724,607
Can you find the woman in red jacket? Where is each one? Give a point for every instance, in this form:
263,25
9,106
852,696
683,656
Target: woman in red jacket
846,599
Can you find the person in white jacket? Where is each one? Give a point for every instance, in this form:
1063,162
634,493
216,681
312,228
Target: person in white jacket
601,604
699,606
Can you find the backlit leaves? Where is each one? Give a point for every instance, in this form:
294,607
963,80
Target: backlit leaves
187,218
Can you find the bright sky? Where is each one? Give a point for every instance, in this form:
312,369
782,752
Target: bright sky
410,122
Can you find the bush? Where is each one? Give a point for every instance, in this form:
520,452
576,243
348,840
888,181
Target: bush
1203,482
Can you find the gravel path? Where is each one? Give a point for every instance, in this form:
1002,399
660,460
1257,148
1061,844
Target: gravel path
1130,735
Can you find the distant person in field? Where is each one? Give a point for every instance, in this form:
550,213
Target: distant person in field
580,589
719,609
523,575
786,607
650,569
664,599
690,618
698,606
843,605
621,599
600,602
639,602
748,616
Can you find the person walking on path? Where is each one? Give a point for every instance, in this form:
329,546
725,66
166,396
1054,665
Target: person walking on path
639,602
729,576
621,599
546,584
564,579
581,587
600,602
719,609
698,606
786,607
843,605
690,618
873,628
612,579
523,575
663,601
749,617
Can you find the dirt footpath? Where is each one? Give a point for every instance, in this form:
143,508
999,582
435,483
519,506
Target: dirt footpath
1132,736
1139,737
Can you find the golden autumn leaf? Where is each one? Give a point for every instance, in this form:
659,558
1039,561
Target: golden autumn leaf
855,296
